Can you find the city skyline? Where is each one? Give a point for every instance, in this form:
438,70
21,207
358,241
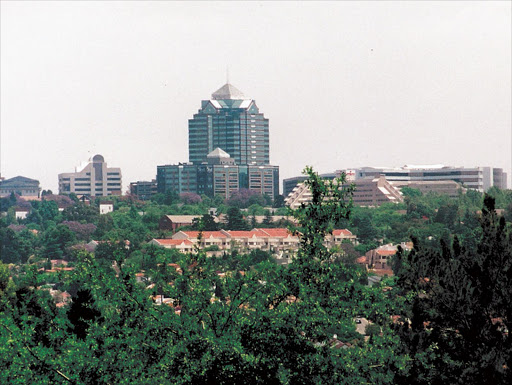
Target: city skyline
343,84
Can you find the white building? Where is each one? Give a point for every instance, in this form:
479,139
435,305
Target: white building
106,207
92,179
478,178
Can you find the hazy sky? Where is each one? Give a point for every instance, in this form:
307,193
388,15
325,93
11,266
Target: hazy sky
344,84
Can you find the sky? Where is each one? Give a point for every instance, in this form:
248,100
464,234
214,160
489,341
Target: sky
343,84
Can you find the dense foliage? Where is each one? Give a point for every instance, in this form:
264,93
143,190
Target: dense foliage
142,314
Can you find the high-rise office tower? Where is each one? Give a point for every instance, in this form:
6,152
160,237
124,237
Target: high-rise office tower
228,150
232,122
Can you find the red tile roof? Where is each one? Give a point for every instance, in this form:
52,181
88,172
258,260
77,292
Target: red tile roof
386,252
361,260
173,242
242,234
344,232
206,234
277,232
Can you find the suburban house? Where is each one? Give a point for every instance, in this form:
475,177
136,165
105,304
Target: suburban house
183,245
379,258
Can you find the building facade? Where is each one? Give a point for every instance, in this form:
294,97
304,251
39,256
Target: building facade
20,185
477,178
219,175
228,150
232,122
92,179
143,190
425,178
368,192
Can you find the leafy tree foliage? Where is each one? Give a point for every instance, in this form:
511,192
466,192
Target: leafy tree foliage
83,231
235,220
56,242
244,198
460,309
205,223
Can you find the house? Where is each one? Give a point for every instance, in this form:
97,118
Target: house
274,240
338,237
379,258
182,245
220,238
106,207
172,222
21,213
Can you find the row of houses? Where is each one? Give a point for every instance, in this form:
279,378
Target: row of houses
275,240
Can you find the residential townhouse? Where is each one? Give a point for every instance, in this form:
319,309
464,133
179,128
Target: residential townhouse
275,240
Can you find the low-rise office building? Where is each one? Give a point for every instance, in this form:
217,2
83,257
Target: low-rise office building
92,179
143,190
368,192
219,175
477,178
20,185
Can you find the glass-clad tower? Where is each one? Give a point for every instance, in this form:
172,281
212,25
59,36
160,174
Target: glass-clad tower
232,122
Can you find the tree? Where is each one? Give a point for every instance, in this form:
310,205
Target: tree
256,323
244,198
235,220
410,192
57,242
447,215
82,312
460,310
81,212
205,223
268,220
83,231
190,198
278,201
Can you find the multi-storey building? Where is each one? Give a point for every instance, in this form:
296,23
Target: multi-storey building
92,179
425,178
20,185
368,192
477,178
228,150
143,190
232,122
290,183
181,177
220,175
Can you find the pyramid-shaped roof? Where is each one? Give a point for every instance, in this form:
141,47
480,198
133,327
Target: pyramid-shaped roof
218,153
228,91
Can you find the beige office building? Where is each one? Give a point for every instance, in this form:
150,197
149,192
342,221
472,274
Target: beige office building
92,179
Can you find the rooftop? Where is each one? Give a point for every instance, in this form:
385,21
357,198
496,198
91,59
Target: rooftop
228,91
218,153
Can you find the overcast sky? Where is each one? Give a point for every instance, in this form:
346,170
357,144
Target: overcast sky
344,84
